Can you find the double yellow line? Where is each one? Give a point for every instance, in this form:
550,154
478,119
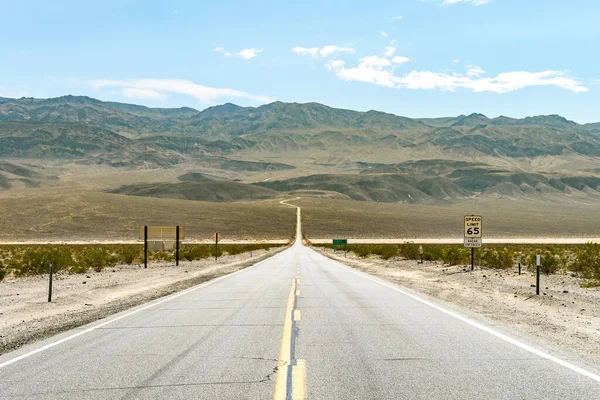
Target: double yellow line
298,376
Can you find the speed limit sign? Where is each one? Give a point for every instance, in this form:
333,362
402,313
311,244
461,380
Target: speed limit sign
473,230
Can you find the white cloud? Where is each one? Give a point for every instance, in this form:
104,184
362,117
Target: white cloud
389,51
223,51
149,94
374,61
456,61
474,70
384,34
333,65
324,51
398,17
152,87
247,54
400,60
375,70
474,2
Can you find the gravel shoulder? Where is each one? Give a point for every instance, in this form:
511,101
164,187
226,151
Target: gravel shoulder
564,314
78,299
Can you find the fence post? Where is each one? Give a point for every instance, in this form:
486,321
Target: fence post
145,246
537,275
519,263
177,245
216,246
50,283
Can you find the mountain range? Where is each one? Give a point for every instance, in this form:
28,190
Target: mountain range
290,147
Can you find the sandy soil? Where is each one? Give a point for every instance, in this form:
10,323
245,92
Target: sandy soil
26,315
564,314
460,241
111,242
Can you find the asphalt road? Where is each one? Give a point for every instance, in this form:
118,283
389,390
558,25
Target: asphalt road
294,326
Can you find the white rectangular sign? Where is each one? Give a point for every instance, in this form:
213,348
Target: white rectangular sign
472,242
473,226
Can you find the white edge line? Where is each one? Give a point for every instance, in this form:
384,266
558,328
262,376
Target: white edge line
475,324
200,286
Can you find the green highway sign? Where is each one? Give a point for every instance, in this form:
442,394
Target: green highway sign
339,242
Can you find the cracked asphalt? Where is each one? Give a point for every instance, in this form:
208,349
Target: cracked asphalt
359,339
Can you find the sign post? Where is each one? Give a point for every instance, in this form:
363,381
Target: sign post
216,237
421,253
50,283
519,263
537,274
145,247
473,234
177,246
161,238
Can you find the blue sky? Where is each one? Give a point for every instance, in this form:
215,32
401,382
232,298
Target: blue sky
418,58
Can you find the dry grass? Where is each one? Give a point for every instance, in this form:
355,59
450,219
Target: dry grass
76,214
324,218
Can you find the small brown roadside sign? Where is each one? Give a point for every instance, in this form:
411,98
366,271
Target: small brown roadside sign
163,233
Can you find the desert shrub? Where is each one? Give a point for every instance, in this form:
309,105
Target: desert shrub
454,255
496,258
96,258
432,253
549,263
233,249
36,260
409,251
162,255
388,251
385,251
191,252
587,262
129,253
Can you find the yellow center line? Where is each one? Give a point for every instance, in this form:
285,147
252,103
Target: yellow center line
285,350
298,376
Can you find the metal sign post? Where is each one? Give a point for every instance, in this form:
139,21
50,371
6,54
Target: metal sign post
473,234
161,238
50,283
177,246
145,247
537,274
421,254
519,263
217,238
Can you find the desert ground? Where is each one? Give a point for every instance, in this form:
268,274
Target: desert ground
81,214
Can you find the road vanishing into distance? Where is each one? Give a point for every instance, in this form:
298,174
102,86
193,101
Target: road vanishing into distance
297,325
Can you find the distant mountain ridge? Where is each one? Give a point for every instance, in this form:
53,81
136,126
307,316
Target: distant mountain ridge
118,134
71,108
260,152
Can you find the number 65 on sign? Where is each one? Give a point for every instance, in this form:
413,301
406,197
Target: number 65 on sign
473,226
